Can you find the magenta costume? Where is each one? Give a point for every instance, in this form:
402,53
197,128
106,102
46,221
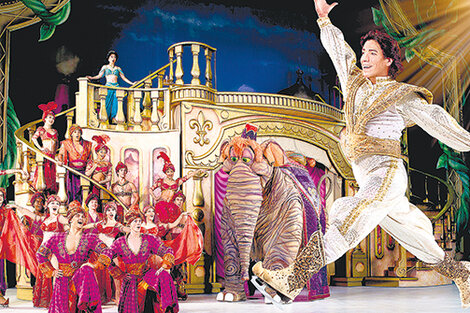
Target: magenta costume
77,290
140,275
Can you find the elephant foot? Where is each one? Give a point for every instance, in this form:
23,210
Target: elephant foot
227,296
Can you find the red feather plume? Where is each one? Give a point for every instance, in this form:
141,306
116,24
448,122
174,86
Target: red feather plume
164,156
51,105
101,139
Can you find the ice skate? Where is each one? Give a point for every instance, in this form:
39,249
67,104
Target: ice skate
291,280
459,272
4,302
268,299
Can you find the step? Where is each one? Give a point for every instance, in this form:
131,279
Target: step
386,281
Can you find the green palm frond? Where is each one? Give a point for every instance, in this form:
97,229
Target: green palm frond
50,20
10,158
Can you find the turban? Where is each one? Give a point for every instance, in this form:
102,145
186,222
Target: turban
120,165
92,196
73,128
74,208
52,198
36,196
179,193
132,215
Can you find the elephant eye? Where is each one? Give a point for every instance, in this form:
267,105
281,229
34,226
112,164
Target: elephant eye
246,160
234,159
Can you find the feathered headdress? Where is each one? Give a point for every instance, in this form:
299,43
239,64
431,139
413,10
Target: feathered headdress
47,109
101,141
167,161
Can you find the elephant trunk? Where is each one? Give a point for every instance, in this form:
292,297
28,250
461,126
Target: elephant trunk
244,196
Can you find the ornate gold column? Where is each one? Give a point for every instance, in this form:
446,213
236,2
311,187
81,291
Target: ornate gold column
201,276
137,116
195,71
120,118
103,117
179,65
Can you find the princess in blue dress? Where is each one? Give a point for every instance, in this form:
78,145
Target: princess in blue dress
111,72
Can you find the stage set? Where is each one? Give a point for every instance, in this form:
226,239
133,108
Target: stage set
227,131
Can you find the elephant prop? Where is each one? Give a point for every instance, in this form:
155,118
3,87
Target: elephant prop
270,209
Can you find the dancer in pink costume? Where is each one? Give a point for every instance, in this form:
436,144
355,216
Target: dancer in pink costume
134,250
107,228
75,286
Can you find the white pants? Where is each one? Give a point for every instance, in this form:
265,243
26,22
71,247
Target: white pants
380,201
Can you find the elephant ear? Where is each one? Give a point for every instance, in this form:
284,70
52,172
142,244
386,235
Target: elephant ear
273,153
224,150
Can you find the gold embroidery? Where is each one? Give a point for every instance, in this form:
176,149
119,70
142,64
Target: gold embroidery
323,21
356,143
363,204
68,269
459,272
355,146
136,269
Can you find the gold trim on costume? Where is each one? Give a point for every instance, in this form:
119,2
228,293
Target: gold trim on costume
323,21
363,204
357,143
356,146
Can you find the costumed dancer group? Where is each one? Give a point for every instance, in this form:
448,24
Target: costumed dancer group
91,256
377,109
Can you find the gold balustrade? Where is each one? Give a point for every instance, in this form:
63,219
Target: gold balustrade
175,54
280,102
443,220
130,116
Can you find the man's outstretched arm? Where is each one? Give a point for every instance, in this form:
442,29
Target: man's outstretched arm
332,39
323,8
434,120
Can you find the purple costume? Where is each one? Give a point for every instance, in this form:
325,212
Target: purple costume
77,290
139,275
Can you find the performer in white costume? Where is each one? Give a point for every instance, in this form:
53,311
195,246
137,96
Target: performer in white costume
377,109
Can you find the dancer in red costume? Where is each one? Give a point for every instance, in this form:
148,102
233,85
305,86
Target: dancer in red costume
100,169
186,240
44,226
166,210
151,223
42,287
38,204
75,286
50,141
92,203
16,243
